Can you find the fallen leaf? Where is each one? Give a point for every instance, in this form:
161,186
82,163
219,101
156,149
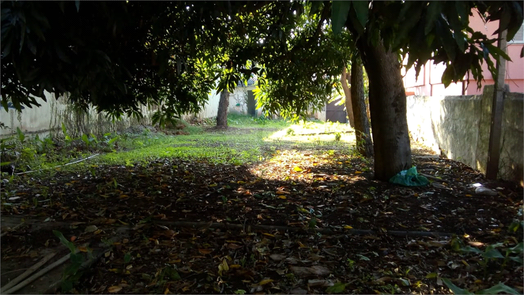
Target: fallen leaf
431,275
91,228
298,291
265,282
277,257
114,289
383,280
316,270
223,267
205,251
319,283
234,246
319,270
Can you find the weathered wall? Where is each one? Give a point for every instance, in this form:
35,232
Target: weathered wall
458,127
48,118
34,120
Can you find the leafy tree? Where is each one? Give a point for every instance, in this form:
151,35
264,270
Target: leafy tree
301,66
120,55
113,55
419,31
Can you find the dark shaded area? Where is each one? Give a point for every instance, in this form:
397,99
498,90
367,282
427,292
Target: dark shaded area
170,206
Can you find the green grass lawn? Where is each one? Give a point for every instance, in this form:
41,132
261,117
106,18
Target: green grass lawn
247,140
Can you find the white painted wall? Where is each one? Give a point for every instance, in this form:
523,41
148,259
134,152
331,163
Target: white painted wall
237,104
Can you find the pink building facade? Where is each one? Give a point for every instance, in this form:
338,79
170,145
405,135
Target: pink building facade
429,82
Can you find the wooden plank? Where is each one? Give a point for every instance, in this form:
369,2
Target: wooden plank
492,167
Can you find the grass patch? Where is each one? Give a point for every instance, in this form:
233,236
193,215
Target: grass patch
247,141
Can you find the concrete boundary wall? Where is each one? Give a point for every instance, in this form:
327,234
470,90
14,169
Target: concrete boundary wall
48,118
458,127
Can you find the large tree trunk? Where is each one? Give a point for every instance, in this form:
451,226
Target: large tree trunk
387,102
223,104
363,136
349,106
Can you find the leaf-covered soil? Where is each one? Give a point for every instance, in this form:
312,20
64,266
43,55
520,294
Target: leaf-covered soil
303,221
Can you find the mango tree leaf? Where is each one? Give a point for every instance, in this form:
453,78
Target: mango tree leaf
496,51
513,26
446,39
315,7
362,11
448,75
339,15
433,11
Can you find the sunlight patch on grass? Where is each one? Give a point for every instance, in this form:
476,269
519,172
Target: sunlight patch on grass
318,133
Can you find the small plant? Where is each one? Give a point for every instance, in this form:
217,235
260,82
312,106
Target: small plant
499,288
21,135
517,223
67,138
351,264
71,274
290,132
338,136
86,140
489,258
43,145
262,120
7,146
110,141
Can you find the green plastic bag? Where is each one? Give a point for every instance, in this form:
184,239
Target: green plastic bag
409,177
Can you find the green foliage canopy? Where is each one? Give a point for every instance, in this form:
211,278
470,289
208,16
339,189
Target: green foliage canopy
118,55
432,30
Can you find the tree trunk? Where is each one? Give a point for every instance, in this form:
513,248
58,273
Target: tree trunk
223,104
387,102
362,134
349,105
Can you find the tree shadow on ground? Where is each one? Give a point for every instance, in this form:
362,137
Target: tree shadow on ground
300,221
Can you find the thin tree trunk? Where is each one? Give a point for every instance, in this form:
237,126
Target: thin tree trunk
387,102
349,105
362,133
223,104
